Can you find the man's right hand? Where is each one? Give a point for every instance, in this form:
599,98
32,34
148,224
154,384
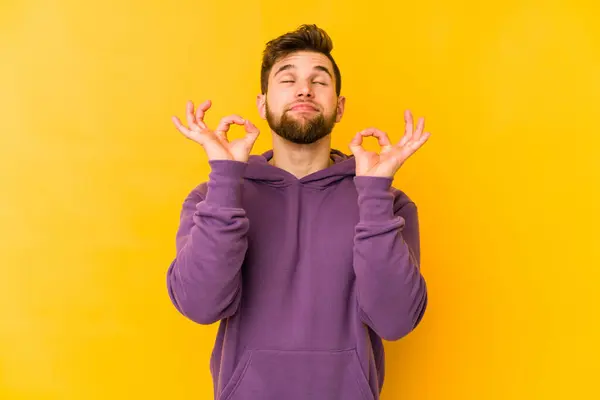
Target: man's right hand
215,143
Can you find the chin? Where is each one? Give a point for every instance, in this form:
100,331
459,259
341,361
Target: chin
304,116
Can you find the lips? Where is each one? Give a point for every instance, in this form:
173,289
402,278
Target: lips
304,107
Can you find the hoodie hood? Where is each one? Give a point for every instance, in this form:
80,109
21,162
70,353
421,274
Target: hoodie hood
260,170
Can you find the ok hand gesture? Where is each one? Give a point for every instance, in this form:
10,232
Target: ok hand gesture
387,162
215,142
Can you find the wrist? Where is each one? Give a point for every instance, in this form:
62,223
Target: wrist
375,198
225,183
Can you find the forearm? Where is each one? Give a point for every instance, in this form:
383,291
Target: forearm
204,280
391,291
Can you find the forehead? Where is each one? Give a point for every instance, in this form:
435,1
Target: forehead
303,60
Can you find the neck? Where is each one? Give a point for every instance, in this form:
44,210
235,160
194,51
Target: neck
301,159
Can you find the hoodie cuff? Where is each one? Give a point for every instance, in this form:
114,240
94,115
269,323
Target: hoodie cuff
375,198
225,183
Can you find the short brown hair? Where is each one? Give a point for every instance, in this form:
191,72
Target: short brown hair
304,38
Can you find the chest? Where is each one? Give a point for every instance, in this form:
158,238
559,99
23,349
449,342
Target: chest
301,235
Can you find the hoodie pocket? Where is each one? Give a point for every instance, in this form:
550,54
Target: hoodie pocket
298,375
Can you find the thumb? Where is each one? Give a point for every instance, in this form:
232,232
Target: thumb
356,144
252,132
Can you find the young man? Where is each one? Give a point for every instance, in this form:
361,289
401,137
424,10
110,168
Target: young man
307,256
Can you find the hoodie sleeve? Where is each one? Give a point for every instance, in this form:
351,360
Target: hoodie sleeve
204,279
391,291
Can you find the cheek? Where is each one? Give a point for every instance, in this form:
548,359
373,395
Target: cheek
273,98
277,102
326,97
329,104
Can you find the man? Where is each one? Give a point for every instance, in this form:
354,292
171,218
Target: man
307,257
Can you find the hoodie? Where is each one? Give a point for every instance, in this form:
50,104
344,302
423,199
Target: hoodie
306,277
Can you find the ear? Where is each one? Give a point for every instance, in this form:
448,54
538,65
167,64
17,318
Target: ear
261,105
340,108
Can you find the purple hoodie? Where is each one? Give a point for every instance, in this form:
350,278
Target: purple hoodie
306,277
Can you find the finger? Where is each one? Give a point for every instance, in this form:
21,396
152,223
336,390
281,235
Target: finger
189,133
420,127
189,114
408,129
382,137
417,143
412,146
252,132
226,122
356,144
202,108
416,134
424,137
180,127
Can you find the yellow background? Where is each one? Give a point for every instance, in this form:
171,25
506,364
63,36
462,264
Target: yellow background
93,175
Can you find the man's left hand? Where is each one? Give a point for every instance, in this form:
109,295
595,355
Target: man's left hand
391,157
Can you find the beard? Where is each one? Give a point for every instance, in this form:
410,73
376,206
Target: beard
302,130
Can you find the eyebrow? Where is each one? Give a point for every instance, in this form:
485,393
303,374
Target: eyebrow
291,66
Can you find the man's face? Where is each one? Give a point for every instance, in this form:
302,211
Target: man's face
301,104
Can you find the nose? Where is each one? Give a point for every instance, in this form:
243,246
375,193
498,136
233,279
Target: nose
305,91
